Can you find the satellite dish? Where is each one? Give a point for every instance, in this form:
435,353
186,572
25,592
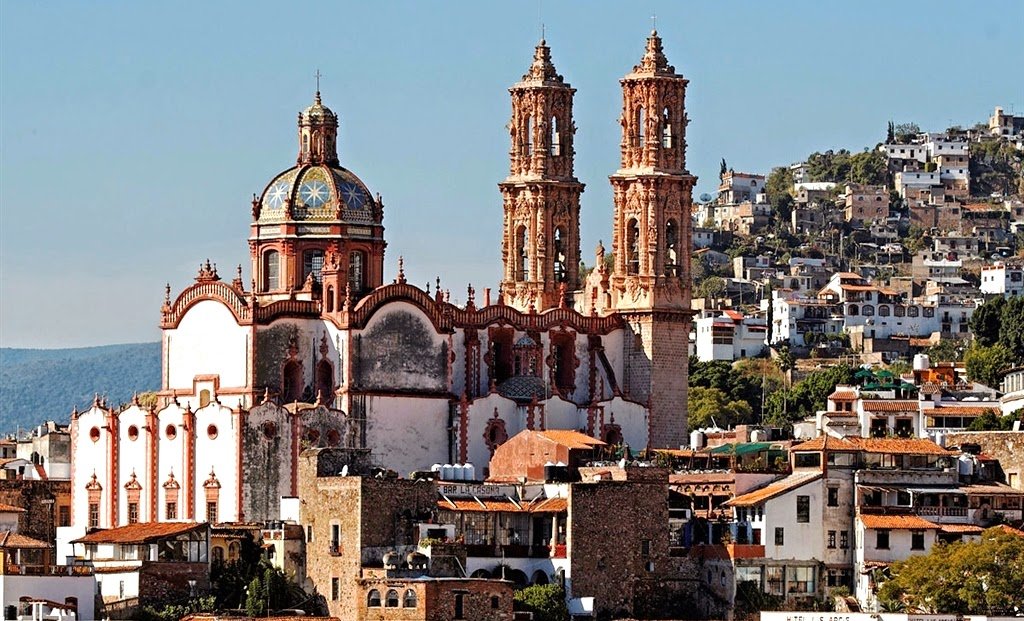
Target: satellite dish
705,197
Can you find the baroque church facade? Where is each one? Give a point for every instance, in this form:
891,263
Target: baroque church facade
317,350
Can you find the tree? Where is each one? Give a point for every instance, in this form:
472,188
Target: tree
984,323
990,421
905,132
890,134
986,364
807,396
545,601
739,382
1011,328
977,578
713,287
723,169
711,406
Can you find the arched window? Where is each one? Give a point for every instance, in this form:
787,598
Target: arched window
641,120
324,381
409,600
912,311
666,129
883,310
391,600
560,273
312,263
867,310
234,551
522,256
329,299
291,384
356,272
854,311
671,248
373,599
204,398
632,247
556,143
218,554
529,135
271,270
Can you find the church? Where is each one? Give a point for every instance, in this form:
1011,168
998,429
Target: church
317,350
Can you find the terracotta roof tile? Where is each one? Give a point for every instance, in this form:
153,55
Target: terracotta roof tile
826,442
905,446
889,405
10,540
772,490
4,508
967,410
142,532
550,505
961,528
844,395
897,522
489,505
1006,528
571,439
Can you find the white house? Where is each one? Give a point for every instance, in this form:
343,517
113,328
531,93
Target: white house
730,336
1002,279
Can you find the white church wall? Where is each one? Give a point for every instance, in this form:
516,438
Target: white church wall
217,451
562,414
207,341
481,411
275,345
134,450
408,433
171,458
399,349
613,344
631,418
91,457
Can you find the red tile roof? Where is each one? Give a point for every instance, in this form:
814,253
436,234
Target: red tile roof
963,410
905,446
4,508
826,443
1011,530
774,489
889,405
10,540
571,439
961,528
142,532
844,395
897,522
502,505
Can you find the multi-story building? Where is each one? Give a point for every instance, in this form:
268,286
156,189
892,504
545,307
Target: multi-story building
730,335
866,204
1002,278
737,187
1005,125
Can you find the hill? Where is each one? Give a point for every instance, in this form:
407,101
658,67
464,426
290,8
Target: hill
42,384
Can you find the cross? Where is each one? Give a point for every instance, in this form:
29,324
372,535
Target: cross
654,22
317,74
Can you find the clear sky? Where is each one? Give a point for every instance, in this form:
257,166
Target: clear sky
133,134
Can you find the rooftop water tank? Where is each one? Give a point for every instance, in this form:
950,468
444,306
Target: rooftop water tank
469,471
697,440
447,472
922,362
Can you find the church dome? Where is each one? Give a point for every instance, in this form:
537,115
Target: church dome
317,192
317,188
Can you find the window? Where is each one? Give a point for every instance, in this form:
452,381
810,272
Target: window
780,536
64,516
171,510
560,273
882,540
391,599
800,579
94,515
917,540
844,540
292,380
335,537
666,129
309,532
803,509
556,145
312,263
336,589
773,580
528,144
460,612
632,247
409,599
271,270
495,602
641,121
133,513
325,381
833,496
211,511
671,248
356,272
832,539
204,398
522,256
217,553
373,599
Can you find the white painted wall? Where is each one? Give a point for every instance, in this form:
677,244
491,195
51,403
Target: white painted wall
53,588
411,432
90,457
219,455
802,541
207,341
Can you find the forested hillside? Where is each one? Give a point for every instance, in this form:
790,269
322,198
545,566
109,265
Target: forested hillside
42,384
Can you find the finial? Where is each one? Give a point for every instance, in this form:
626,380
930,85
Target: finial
401,270
654,26
167,294
470,293
345,303
543,34
427,289
317,74
238,271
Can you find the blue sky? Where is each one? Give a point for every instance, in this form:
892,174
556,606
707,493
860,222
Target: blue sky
133,135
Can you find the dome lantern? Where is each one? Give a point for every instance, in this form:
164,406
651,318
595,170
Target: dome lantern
318,134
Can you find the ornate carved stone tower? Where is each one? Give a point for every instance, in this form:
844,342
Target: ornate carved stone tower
317,232
541,241
650,281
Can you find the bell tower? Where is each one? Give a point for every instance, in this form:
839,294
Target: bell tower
541,196
651,240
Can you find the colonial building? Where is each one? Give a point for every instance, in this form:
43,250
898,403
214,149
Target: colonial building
316,350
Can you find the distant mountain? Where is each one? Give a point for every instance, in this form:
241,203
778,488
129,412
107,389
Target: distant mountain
45,384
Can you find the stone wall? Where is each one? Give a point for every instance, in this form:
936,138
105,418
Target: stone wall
162,581
41,500
1006,446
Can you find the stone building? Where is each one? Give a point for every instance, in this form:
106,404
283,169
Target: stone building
316,350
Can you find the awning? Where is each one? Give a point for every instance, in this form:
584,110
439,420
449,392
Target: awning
936,490
741,448
581,606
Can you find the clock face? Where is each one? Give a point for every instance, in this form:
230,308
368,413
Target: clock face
276,195
352,195
314,193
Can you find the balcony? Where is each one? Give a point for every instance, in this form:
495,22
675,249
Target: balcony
334,549
483,550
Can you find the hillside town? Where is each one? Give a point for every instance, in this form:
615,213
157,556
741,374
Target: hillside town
764,400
